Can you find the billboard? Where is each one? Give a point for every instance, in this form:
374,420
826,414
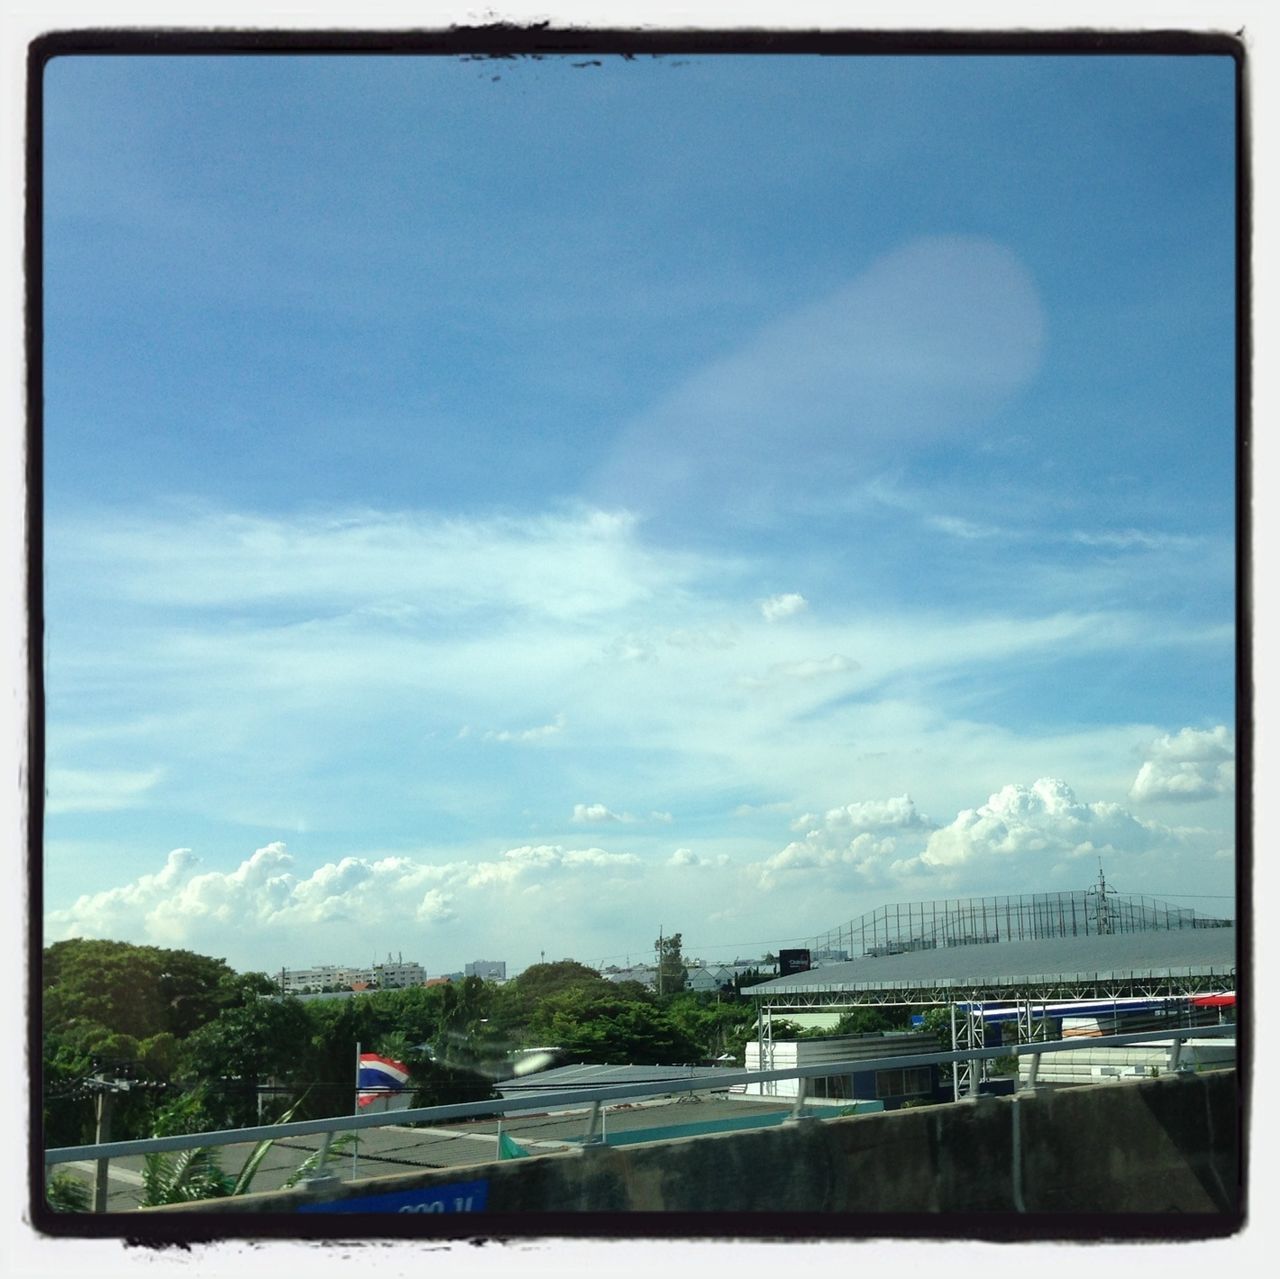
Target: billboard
792,961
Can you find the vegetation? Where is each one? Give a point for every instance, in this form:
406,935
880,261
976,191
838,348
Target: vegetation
206,1048
673,976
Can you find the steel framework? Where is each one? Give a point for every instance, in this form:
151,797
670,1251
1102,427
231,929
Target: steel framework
964,921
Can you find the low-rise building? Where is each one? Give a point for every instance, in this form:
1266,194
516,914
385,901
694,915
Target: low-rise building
892,1087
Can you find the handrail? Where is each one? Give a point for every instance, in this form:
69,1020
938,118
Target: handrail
585,1097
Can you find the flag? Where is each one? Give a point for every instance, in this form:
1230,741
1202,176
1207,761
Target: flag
508,1149
379,1077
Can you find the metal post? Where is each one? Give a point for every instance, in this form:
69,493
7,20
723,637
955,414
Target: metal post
955,1065
102,1134
797,1111
355,1145
589,1137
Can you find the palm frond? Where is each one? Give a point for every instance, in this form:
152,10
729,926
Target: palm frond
340,1143
254,1162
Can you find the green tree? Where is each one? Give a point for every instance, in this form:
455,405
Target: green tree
673,976
242,1048
865,1021
541,981
606,1029
718,1026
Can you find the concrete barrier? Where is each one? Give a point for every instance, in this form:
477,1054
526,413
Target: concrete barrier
1167,1145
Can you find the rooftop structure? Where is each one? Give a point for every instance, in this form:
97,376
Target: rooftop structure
1188,961
969,921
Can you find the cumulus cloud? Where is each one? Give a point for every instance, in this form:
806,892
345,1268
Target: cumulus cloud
777,607
1028,836
598,813
898,813
686,857
180,905
1043,824
865,837
585,814
1189,765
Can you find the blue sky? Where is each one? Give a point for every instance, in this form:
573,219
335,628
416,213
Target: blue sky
495,508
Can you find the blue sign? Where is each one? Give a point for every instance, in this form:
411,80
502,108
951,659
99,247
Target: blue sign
457,1196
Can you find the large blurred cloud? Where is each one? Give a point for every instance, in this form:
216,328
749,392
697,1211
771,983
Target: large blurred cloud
931,339
1188,765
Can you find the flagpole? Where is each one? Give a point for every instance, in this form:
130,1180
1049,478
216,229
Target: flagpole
355,1145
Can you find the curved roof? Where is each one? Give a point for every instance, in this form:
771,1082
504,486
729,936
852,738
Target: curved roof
1155,953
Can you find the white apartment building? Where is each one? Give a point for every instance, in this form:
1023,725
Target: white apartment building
388,976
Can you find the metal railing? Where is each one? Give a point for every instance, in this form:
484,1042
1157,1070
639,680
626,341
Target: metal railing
591,1098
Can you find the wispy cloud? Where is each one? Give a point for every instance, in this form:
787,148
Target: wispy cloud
72,790
538,733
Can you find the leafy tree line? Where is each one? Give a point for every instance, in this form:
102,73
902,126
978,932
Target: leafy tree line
200,1042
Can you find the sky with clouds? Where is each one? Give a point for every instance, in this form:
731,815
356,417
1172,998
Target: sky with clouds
496,509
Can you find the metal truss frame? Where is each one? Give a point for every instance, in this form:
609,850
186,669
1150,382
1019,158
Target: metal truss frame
1052,990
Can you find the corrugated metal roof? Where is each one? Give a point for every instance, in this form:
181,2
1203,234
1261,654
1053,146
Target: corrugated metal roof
561,1078
1179,951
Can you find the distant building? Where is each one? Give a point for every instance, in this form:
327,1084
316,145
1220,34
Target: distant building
388,976
645,974
489,969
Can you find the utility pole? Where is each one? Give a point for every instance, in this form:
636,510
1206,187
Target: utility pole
107,1088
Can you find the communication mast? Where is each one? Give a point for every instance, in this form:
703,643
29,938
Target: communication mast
1101,906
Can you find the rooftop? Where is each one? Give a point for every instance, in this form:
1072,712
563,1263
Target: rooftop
1180,951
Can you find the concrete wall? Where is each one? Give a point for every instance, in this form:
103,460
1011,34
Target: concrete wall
1167,1145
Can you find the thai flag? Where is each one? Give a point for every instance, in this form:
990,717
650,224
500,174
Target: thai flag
379,1078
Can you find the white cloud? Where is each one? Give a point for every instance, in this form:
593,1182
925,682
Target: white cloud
387,567
266,896
805,669
73,790
898,813
537,734
864,837
1135,539
1189,765
1023,839
1040,824
686,857
598,813
777,607
967,530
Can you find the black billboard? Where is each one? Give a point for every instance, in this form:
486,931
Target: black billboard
792,961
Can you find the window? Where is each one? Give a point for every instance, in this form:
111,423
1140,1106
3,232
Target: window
911,1082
